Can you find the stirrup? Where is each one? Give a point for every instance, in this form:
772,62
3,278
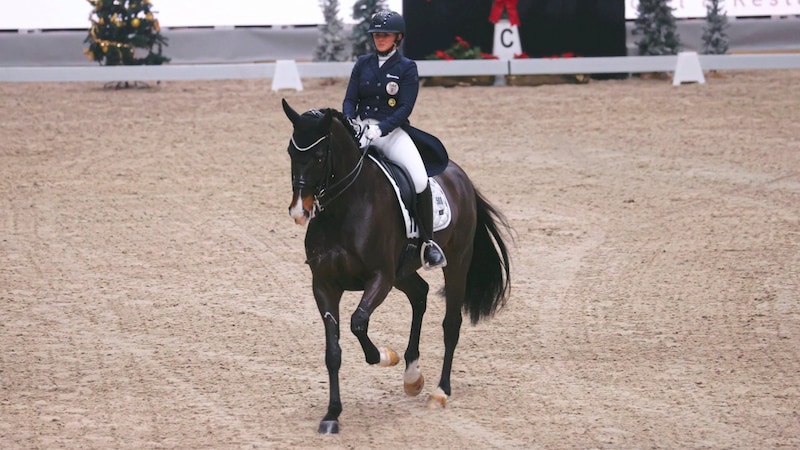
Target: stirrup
425,264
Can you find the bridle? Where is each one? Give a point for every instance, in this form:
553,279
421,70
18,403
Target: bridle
325,192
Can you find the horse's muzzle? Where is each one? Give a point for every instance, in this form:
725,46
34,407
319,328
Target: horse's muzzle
302,208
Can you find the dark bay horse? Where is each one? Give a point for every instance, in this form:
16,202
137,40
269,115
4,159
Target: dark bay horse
356,241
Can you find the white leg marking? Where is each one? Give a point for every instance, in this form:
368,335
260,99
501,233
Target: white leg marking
437,399
388,357
412,373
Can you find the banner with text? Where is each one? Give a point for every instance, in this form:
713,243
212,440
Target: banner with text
74,14
734,8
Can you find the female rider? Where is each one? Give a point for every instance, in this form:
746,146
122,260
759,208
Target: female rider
380,96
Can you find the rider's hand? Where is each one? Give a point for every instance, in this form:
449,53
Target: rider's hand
373,132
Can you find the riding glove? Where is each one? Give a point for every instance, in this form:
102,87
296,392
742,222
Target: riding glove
373,132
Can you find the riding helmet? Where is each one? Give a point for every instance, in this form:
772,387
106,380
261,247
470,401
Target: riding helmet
387,22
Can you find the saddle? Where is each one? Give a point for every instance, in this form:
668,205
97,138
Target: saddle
406,196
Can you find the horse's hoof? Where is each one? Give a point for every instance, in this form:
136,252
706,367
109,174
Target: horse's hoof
328,427
388,357
437,399
414,388
413,381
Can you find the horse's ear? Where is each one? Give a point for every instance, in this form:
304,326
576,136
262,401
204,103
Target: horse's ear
290,113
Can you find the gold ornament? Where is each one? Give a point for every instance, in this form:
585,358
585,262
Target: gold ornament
135,23
104,48
101,21
149,16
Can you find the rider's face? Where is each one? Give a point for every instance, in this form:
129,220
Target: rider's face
384,41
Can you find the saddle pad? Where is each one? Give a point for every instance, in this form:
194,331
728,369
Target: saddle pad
441,207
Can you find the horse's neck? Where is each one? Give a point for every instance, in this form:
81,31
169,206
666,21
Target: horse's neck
346,155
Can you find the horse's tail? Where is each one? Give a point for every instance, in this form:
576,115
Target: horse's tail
488,277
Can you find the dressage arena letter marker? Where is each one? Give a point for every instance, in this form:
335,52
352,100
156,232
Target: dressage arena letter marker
688,70
286,76
506,40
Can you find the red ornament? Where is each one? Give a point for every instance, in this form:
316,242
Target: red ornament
497,11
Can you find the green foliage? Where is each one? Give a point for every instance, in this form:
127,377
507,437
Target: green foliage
331,43
656,24
461,49
124,32
363,10
715,39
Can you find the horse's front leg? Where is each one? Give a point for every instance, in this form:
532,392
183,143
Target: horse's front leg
375,293
416,289
328,304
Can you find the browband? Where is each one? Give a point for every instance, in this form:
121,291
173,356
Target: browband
310,146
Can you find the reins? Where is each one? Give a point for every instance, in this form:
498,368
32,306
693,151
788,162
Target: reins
350,178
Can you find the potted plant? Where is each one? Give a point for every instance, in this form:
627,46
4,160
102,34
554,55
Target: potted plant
461,49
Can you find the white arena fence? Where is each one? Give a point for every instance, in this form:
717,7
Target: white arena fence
621,64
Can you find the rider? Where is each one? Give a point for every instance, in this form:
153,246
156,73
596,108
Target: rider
380,95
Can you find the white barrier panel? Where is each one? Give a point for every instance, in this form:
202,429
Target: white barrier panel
613,64
616,64
687,69
286,76
460,67
73,14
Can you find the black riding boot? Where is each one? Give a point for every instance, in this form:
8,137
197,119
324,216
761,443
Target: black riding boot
432,254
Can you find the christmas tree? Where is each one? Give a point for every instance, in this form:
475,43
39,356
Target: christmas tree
656,23
124,32
331,42
363,10
715,40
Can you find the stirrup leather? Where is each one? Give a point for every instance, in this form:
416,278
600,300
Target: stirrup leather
425,263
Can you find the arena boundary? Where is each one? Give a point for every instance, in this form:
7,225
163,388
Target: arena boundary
620,64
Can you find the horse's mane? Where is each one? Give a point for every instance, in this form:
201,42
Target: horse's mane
344,120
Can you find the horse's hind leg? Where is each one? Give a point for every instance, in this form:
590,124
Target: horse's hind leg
416,289
454,294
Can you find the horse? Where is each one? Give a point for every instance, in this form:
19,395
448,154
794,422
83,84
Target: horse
356,240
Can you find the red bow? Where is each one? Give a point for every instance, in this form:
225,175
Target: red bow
497,11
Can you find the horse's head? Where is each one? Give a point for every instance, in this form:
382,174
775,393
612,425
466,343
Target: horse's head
314,137
309,150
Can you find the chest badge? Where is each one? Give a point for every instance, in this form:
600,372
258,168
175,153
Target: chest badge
392,102
392,88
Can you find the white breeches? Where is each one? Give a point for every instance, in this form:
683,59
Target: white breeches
398,147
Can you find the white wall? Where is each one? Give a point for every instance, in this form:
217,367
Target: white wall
734,8
73,14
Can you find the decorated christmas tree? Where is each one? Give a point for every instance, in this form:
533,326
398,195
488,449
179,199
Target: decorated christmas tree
715,39
656,24
331,42
124,32
363,10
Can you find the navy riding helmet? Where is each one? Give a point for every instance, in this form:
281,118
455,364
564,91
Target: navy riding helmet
387,22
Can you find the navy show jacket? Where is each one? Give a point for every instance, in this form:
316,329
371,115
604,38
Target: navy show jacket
385,93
